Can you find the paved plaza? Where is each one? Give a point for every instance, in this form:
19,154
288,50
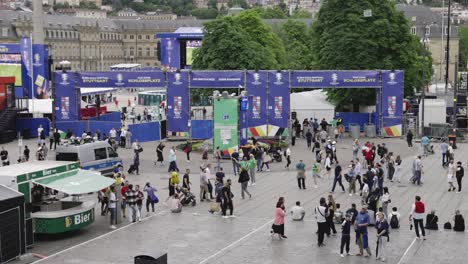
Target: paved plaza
196,236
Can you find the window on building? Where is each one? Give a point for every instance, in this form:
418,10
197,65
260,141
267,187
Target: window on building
155,51
132,36
446,31
139,36
147,36
413,30
445,54
148,52
132,52
428,30
125,52
140,52
4,32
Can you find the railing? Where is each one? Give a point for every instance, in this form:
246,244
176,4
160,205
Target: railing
21,103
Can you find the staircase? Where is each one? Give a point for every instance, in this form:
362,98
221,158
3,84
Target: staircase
8,125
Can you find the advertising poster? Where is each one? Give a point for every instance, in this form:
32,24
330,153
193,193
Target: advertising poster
26,65
392,103
257,89
134,79
217,79
225,118
178,103
65,97
41,72
330,79
278,99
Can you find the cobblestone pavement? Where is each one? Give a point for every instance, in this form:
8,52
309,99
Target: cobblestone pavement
196,236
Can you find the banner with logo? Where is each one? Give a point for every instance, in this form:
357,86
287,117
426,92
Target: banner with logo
170,53
65,101
132,79
10,49
392,103
338,79
278,99
26,65
225,120
177,103
244,116
217,79
257,90
41,71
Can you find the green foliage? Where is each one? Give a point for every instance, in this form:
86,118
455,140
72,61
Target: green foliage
88,5
343,39
296,40
239,42
270,13
298,13
463,36
205,13
240,3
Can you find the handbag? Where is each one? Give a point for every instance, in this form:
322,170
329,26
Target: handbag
215,207
153,198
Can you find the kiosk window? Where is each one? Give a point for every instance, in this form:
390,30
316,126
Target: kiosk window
100,153
112,153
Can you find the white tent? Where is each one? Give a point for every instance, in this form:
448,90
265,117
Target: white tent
312,104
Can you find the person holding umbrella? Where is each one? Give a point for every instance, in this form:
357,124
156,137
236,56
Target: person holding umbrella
382,237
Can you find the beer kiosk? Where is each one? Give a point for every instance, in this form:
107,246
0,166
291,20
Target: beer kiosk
52,191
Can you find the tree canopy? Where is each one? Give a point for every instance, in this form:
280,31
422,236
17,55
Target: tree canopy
463,36
344,39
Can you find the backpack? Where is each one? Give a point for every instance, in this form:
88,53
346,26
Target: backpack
448,225
394,223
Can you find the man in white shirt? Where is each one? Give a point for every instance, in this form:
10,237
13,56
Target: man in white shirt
113,133
320,215
123,134
297,212
113,208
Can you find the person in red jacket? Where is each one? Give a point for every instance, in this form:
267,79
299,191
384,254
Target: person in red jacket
417,214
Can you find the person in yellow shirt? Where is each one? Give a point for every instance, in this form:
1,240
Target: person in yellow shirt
173,184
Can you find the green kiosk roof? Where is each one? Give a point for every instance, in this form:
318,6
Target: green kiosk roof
76,182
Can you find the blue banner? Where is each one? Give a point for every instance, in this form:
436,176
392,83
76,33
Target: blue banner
244,119
217,79
257,89
26,65
133,79
65,101
177,102
338,79
10,49
278,98
170,53
41,71
392,103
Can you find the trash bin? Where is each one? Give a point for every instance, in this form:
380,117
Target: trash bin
355,130
144,259
370,130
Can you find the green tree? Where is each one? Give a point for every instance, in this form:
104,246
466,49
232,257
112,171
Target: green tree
270,13
239,42
299,13
205,13
463,36
343,39
296,40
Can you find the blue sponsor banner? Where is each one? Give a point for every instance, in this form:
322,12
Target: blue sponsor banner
217,79
257,89
278,98
338,79
41,71
65,101
10,49
132,79
392,93
244,115
26,65
170,53
177,102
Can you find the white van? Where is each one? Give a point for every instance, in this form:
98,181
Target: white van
98,156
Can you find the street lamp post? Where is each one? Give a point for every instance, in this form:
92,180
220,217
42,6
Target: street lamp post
424,40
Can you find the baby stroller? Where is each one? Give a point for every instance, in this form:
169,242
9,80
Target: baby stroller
187,197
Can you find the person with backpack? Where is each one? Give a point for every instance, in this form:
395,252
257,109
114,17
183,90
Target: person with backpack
382,237
417,215
244,181
395,218
151,197
300,167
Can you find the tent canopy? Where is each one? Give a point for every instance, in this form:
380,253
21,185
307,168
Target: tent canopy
91,91
312,104
76,182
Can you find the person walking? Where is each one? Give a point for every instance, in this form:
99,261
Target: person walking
445,155
188,149
362,222
159,154
309,136
338,177
186,179
140,198
173,160
316,172
352,179
300,167
235,162
136,162
417,167
113,207
459,174
227,199
51,138
278,222
383,237
219,156
151,197
328,165
288,158
451,175
258,158
244,181
56,138
345,235
203,184
417,216
321,212
385,200
266,159
128,139
173,185
251,165
131,197
355,149
397,175
26,153
409,138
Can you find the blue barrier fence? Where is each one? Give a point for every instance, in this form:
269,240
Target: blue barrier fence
145,131
77,127
112,117
31,124
356,118
202,129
